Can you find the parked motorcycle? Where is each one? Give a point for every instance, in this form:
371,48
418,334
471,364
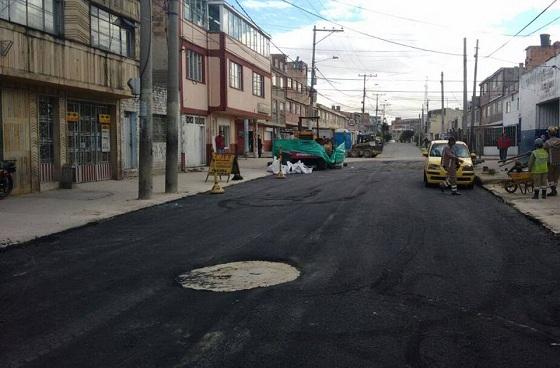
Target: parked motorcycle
7,168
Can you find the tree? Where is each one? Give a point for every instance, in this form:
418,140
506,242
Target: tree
406,136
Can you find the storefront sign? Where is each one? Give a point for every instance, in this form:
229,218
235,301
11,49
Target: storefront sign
221,165
105,138
72,116
104,118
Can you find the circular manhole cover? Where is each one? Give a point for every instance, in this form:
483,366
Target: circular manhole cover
238,276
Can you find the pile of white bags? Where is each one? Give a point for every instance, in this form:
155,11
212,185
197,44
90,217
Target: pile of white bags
297,168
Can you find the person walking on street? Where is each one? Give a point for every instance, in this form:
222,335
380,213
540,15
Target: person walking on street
504,142
220,142
538,166
450,163
552,146
259,146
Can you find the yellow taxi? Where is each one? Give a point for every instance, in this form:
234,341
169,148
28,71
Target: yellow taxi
434,172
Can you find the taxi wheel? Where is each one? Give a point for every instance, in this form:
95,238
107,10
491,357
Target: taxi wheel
426,184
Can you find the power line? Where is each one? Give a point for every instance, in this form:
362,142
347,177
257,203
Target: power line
370,35
389,15
538,29
521,30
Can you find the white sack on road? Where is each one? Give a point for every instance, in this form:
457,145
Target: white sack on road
297,168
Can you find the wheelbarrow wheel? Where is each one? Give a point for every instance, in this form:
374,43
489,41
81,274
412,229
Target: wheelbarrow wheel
510,187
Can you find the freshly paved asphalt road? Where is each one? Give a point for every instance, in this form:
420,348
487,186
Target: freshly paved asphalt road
392,275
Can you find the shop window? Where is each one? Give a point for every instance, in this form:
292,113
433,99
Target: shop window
43,15
111,32
195,66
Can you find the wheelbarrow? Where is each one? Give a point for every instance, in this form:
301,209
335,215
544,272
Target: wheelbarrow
522,180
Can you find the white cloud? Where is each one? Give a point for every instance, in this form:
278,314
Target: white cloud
441,26
270,4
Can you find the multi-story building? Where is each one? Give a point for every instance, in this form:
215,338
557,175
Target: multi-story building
438,129
330,119
297,92
225,81
64,68
279,77
399,125
492,92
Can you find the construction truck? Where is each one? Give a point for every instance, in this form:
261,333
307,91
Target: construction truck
367,145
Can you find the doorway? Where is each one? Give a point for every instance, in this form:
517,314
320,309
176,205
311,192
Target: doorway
130,141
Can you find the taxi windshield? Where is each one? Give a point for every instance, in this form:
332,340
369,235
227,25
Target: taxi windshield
461,150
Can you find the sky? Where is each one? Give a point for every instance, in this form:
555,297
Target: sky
401,43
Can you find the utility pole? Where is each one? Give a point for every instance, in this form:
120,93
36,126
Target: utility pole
364,96
312,92
465,102
442,108
146,122
376,106
172,145
426,130
473,112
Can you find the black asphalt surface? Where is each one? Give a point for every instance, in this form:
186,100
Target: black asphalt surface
392,275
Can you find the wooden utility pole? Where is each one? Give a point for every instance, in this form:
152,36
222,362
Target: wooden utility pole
442,108
465,99
473,106
146,121
172,141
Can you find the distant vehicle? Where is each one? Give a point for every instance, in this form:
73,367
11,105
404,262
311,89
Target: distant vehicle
434,172
392,141
367,145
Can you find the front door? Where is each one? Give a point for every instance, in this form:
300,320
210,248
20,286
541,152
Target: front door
89,142
130,141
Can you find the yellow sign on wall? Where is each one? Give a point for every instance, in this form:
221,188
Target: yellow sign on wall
104,119
72,116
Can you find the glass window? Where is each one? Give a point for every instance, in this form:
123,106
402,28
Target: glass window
195,67
38,14
235,75
214,18
195,11
258,85
111,32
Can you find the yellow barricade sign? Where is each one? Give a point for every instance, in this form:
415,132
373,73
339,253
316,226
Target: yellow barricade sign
221,165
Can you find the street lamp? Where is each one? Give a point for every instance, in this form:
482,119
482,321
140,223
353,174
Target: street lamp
331,58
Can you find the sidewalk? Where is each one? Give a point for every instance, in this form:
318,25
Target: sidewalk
34,215
544,211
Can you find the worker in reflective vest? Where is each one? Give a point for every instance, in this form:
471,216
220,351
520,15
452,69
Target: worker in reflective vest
538,166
